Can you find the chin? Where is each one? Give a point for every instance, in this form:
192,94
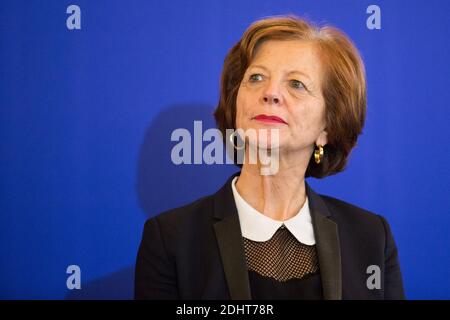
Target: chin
265,135
263,143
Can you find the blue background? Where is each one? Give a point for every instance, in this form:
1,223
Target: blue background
86,117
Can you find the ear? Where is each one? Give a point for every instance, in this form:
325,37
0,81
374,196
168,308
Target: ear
322,138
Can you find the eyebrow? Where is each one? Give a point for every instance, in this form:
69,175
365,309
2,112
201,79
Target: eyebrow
290,72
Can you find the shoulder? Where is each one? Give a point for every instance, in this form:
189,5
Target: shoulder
198,214
180,220
355,218
340,206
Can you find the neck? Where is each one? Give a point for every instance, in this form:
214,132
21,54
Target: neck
279,196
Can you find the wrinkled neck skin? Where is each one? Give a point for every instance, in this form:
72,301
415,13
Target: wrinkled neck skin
279,196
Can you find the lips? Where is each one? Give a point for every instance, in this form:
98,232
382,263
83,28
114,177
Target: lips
269,119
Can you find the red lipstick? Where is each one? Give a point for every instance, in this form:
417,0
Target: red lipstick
269,119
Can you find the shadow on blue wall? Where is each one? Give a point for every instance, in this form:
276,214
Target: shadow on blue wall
161,185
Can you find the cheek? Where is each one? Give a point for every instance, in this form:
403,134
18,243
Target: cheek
242,106
308,120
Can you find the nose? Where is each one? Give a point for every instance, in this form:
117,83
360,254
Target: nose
271,95
271,99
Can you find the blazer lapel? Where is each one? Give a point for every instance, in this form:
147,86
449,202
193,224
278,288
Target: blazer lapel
327,244
231,247
229,239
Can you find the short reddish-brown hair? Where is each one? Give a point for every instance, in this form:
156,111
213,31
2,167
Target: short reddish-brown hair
343,87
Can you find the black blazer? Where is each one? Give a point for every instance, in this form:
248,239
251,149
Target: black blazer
196,251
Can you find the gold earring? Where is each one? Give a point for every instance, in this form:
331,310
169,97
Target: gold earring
318,154
232,141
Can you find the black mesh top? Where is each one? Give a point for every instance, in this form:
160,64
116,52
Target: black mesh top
283,268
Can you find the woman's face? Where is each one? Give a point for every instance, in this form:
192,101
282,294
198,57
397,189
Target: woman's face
281,89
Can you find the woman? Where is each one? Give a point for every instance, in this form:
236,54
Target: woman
270,236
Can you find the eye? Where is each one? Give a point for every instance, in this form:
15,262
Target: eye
296,84
255,77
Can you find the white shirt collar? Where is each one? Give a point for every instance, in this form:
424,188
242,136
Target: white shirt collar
256,226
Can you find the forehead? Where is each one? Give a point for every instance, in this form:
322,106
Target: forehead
289,55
